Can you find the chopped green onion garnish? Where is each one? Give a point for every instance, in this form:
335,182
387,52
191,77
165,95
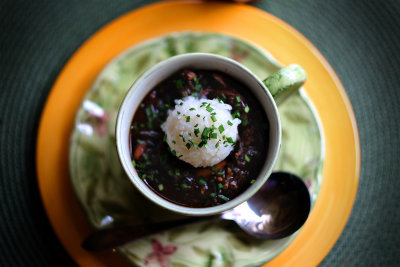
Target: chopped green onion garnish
181,104
202,182
184,186
177,172
221,128
213,135
204,134
196,131
238,99
198,115
245,122
213,118
230,140
196,125
165,138
230,123
246,109
161,187
212,195
170,173
187,118
217,144
192,109
224,198
133,163
209,109
247,158
178,113
236,114
252,181
188,145
174,142
220,185
179,84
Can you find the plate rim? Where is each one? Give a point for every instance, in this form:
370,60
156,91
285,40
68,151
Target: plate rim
43,172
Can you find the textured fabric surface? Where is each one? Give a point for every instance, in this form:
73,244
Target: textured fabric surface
360,39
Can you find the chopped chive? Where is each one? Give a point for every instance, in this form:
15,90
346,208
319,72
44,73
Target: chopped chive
217,145
144,176
196,125
247,158
192,109
220,185
209,109
213,118
179,84
177,172
214,113
188,145
206,145
187,118
196,131
213,168
236,114
178,113
252,181
198,115
161,187
174,142
181,104
230,123
213,135
219,99
223,96
184,186
238,99
245,122
246,109
170,173
202,182
224,198
221,128
230,140
204,134
165,138
220,173
212,195
166,106
133,163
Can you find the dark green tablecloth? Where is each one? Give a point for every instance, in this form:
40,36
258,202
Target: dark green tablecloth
360,39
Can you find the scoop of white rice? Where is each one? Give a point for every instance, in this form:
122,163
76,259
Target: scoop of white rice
201,132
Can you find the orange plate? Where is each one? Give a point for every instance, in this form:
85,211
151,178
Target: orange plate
342,164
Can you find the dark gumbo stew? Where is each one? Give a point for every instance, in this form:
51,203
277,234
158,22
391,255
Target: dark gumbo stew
178,181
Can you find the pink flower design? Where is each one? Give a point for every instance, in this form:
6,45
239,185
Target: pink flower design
160,253
99,122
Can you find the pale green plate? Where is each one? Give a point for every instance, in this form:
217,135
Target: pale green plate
107,196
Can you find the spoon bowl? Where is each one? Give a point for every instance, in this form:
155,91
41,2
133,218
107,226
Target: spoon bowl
277,210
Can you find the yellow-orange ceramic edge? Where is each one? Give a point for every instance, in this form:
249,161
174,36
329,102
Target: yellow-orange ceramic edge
342,160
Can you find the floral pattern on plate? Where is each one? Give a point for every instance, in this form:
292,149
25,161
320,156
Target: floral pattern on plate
107,196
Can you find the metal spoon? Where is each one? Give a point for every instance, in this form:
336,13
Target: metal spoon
277,210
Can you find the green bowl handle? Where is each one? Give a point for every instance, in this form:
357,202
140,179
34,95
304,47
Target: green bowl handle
285,82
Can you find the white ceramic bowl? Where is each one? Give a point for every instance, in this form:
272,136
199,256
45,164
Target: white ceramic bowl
159,72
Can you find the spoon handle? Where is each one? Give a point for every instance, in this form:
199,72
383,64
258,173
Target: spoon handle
110,238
